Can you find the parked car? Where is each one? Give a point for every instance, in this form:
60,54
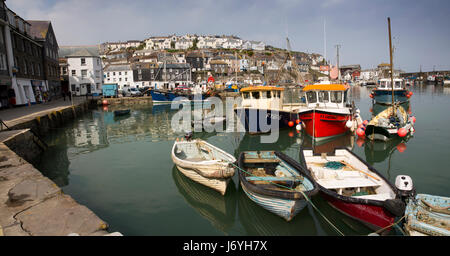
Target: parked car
131,92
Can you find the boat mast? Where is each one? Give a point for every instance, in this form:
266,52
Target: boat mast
392,69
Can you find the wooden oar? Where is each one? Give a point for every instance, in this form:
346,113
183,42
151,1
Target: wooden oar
371,176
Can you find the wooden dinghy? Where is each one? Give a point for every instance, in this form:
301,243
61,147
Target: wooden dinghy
428,215
204,163
355,188
275,182
121,112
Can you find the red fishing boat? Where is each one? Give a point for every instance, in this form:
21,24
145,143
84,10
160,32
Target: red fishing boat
328,113
354,188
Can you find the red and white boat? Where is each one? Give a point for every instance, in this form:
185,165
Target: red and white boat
355,188
328,113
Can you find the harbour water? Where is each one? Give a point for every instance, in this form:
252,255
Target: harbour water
121,169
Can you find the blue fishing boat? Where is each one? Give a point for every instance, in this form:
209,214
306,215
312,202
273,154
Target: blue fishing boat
383,93
159,96
275,182
428,215
264,105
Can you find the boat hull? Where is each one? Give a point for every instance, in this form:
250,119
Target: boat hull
252,119
162,97
287,209
322,125
385,96
373,216
219,185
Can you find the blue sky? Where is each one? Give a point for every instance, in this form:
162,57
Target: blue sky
420,29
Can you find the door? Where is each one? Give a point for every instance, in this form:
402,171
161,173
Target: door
88,88
83,89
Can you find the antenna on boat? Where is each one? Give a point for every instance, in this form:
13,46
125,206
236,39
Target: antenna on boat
392,69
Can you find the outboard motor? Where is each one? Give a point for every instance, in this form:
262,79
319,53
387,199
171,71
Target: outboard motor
188,136
405,186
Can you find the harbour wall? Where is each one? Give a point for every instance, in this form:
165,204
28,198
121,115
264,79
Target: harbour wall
30,203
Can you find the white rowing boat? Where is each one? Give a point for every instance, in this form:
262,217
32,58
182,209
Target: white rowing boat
204,163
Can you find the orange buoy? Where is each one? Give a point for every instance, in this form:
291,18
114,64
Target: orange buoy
291,123
105,102
402,132
360,132
297,121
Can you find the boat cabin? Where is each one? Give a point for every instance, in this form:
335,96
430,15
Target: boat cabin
385,84
265,97
326,95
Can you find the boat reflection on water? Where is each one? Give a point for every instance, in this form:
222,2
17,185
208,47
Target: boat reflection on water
347,140
217,209
379,151
288,142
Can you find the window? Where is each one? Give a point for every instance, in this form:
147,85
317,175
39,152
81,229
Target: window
39,69
97,86
246,95
83,62
97,73
336,97
311,97
323,97
255,95
83,73
73,86
120,79
126,79
125,72
74,72
114,73
120,73
268,95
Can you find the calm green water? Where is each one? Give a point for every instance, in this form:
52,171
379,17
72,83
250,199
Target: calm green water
121,169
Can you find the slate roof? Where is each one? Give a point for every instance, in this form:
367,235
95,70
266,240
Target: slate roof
39,28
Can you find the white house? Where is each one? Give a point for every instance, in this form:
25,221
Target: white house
85,73
157,43
122,75
258,45
183,44
231,43
368,74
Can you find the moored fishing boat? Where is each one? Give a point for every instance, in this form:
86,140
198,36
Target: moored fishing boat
162,96
383,93
355,188
391,123
204,163
275,182
428,215
264,105
328,113
121,112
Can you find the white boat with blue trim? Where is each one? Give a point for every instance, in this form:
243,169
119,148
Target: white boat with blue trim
275,182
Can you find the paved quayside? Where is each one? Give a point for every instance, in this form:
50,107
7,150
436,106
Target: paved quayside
33,205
